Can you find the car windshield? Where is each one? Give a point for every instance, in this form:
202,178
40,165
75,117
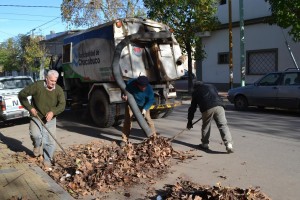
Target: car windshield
269,80
14,83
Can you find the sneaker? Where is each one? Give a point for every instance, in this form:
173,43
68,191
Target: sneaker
229,148
37,151
204,146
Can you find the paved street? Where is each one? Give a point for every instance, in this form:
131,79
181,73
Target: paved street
266,149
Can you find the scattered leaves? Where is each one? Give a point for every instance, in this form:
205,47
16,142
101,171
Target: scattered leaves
192,191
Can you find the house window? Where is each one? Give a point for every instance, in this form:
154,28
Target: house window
260,62
222,2
67,56
223,58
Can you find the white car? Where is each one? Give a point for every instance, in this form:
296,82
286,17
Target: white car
10,106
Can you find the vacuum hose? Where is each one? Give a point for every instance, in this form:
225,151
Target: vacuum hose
119,79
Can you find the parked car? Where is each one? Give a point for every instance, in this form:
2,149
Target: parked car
277,90
10,106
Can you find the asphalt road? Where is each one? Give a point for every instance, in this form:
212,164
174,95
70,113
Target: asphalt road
266,147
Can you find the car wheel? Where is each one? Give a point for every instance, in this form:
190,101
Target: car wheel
240,103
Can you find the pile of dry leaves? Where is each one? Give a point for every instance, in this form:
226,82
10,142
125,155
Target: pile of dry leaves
97,167
192,191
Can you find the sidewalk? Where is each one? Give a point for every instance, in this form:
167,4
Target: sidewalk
22,180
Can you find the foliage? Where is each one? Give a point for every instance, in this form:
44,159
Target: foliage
92,12
33,54
20,53
9,55
186,18
286,14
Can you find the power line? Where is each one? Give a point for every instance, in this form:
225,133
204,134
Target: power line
26,15
42,25
27,6
36,20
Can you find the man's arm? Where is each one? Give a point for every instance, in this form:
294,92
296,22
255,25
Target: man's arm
61,102
24,93
191,112
149,98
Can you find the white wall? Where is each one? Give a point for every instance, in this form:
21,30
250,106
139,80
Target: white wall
252,9
259,36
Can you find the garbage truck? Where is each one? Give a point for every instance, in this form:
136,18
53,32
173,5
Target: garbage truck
87,67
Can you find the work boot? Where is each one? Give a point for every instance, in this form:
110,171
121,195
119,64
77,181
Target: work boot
203,146
37,151
229,148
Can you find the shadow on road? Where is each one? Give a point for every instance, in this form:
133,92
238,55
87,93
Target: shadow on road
14,145
76,121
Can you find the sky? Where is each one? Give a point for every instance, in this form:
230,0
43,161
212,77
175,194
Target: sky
21,17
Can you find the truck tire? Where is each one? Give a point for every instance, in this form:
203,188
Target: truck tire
168,112
102,112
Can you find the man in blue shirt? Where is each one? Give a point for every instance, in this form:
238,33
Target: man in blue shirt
143,94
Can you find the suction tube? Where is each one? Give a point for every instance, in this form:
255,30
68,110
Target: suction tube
118,76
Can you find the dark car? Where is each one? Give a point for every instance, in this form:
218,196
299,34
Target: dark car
277,90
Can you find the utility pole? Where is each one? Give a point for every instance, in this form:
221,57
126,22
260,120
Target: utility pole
230,46
242,43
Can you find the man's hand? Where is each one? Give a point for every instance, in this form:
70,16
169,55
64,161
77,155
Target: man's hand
33,112
144,112
49,116
189,125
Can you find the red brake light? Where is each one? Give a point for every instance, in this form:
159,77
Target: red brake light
2,105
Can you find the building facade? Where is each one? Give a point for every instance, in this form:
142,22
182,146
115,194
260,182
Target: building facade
265,46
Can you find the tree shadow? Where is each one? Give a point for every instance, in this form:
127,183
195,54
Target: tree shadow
78,122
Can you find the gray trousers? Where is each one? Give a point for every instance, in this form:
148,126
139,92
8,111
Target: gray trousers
40,137
218,114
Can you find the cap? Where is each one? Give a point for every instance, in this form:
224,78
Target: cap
142,80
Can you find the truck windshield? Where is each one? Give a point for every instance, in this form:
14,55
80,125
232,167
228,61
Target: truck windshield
14,83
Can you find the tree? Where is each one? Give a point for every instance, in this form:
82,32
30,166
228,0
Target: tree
33,54
286,14
92,12
20,53
9,56
186,18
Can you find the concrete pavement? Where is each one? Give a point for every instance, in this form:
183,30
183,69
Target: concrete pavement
22,180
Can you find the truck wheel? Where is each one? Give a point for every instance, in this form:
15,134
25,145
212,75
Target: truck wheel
167,113
102,112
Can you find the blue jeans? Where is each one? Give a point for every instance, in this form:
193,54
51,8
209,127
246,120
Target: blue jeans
218,114
40,136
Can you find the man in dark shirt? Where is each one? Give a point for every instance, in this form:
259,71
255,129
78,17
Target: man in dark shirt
211,106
